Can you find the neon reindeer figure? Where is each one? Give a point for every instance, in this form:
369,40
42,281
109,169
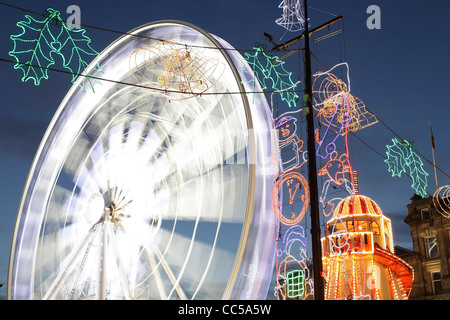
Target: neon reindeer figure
335,169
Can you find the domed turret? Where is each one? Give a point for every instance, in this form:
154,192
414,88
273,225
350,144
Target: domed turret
358,213
358,254
357,205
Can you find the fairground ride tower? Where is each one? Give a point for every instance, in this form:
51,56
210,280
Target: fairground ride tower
358,255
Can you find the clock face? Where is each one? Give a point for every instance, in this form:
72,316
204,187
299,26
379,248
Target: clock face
292,194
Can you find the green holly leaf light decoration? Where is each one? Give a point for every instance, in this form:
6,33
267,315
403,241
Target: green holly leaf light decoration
41,41
401,158
271,68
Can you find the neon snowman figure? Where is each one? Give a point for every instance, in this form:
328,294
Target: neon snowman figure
289,143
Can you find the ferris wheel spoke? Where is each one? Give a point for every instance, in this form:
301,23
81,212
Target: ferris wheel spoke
122,274
215,185
102,260
173,115
98,170
133,135
195,262
97,152
156,275
83,247
180,254
151,143
86,181
167,269
115,137
67,235
160,169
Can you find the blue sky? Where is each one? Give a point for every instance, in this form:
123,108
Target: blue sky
400,72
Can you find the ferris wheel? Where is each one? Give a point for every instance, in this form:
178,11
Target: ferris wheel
155,186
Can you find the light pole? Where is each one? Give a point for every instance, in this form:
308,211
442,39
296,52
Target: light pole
312,168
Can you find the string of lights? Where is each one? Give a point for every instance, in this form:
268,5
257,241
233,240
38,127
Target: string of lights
175,67
132,34
137,84
341,112
401,157
75,74
412,148
386,126
175,91
48,40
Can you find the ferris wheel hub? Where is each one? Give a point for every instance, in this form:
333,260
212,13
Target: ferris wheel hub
111,213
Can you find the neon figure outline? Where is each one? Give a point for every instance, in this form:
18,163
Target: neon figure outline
337,107
295,186
287,127
293,17
336,177
175,68
295,235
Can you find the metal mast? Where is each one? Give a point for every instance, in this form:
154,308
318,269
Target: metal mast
312,168
312,171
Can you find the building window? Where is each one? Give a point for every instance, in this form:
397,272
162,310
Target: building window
425,214
431,247
436,280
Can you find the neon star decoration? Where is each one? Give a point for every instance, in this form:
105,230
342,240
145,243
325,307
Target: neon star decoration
401,158
293,16
270,71
41,41
178,71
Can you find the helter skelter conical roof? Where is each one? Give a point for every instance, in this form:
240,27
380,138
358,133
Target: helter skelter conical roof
356,205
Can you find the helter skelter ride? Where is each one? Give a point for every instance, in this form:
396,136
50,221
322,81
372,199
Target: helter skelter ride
155,186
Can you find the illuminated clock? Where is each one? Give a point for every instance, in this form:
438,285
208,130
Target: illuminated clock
290,197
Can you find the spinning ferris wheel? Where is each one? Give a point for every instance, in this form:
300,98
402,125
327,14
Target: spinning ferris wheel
155,186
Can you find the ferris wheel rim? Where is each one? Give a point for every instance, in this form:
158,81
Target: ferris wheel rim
58,114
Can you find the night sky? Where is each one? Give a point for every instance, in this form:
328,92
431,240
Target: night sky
399,71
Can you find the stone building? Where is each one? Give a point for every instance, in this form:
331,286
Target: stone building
430,257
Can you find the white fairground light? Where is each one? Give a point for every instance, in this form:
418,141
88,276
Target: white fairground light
138,193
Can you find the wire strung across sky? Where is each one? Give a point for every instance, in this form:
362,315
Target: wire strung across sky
132,34
135,84
390,129
204,93
401,139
